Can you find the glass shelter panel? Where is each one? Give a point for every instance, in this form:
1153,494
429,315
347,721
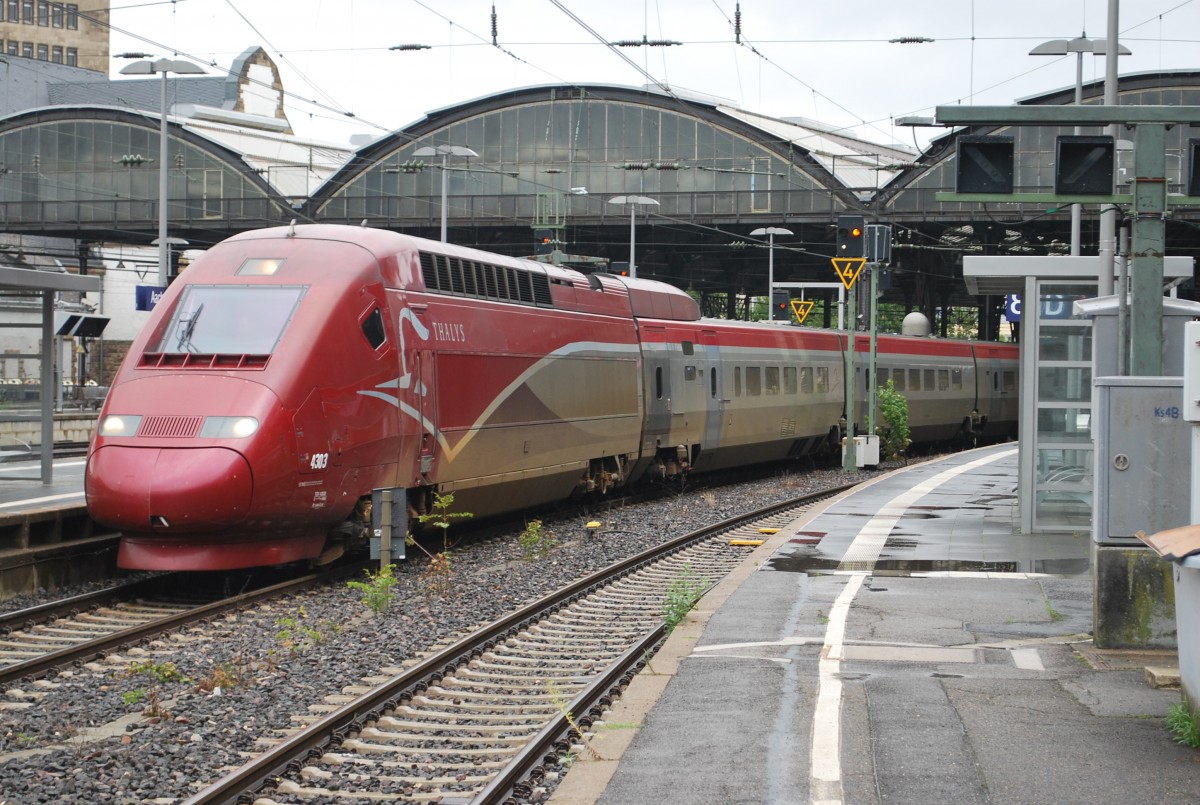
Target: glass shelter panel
1062,397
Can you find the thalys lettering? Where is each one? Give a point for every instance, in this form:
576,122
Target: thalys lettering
350,371
449,332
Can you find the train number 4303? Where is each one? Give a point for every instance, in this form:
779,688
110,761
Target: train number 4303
319,461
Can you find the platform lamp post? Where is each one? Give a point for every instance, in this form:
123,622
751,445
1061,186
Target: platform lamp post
163,67
633,202
1079,46
770,232
445,152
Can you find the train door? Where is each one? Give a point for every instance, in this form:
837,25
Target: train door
713,385
657,364
426,370
690,404
997,390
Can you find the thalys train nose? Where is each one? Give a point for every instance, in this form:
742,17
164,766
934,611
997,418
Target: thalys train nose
171,490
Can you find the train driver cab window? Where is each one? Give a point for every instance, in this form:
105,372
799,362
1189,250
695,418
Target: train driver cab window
372,328
230,320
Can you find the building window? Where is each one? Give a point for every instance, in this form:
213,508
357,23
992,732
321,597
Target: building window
72,57
14,10
27,12
43,53
14,47
56,15
56,54
43,12
72,16
27,50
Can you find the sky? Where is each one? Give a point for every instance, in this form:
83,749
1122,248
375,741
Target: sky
828,60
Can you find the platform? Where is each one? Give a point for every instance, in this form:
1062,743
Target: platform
905,645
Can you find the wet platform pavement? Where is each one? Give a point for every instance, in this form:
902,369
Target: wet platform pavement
902,645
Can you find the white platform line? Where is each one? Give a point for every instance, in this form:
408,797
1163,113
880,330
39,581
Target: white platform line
1027,659
47,499
825,763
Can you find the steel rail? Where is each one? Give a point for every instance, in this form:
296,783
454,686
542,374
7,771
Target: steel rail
86,651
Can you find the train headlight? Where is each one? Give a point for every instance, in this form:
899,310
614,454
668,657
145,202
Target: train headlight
120,425
228,427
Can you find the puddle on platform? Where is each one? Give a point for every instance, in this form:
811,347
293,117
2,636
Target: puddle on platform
907,567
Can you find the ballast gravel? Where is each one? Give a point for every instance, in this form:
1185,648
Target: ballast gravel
160,722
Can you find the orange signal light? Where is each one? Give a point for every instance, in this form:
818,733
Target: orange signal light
855,232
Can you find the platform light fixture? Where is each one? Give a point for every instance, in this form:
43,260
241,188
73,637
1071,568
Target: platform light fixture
634,202
445,151
162,67
771,232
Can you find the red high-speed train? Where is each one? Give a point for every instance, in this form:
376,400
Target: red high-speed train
291,372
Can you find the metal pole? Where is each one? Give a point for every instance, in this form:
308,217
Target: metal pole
1123,304
1108,214
48,377
1146,259
445,163
873,385
162,186
385,530
849,459
1077,209
632,239
770,276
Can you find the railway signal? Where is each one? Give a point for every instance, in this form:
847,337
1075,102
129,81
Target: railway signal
851,236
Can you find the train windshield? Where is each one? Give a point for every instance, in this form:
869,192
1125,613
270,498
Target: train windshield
229,319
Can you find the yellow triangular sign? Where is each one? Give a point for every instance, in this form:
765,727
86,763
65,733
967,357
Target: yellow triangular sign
848,269
802,307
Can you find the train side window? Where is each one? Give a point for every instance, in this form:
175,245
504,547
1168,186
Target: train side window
881,376
753,381
372,328
772,373
898,380
943,379
789,380
658,383
712,382
956,379
1010,380
806,380
822,379
914,379
737,381
688,347
928,383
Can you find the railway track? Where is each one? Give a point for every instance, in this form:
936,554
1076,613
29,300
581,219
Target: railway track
486,719
73,631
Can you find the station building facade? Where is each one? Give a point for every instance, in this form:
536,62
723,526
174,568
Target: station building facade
79,168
